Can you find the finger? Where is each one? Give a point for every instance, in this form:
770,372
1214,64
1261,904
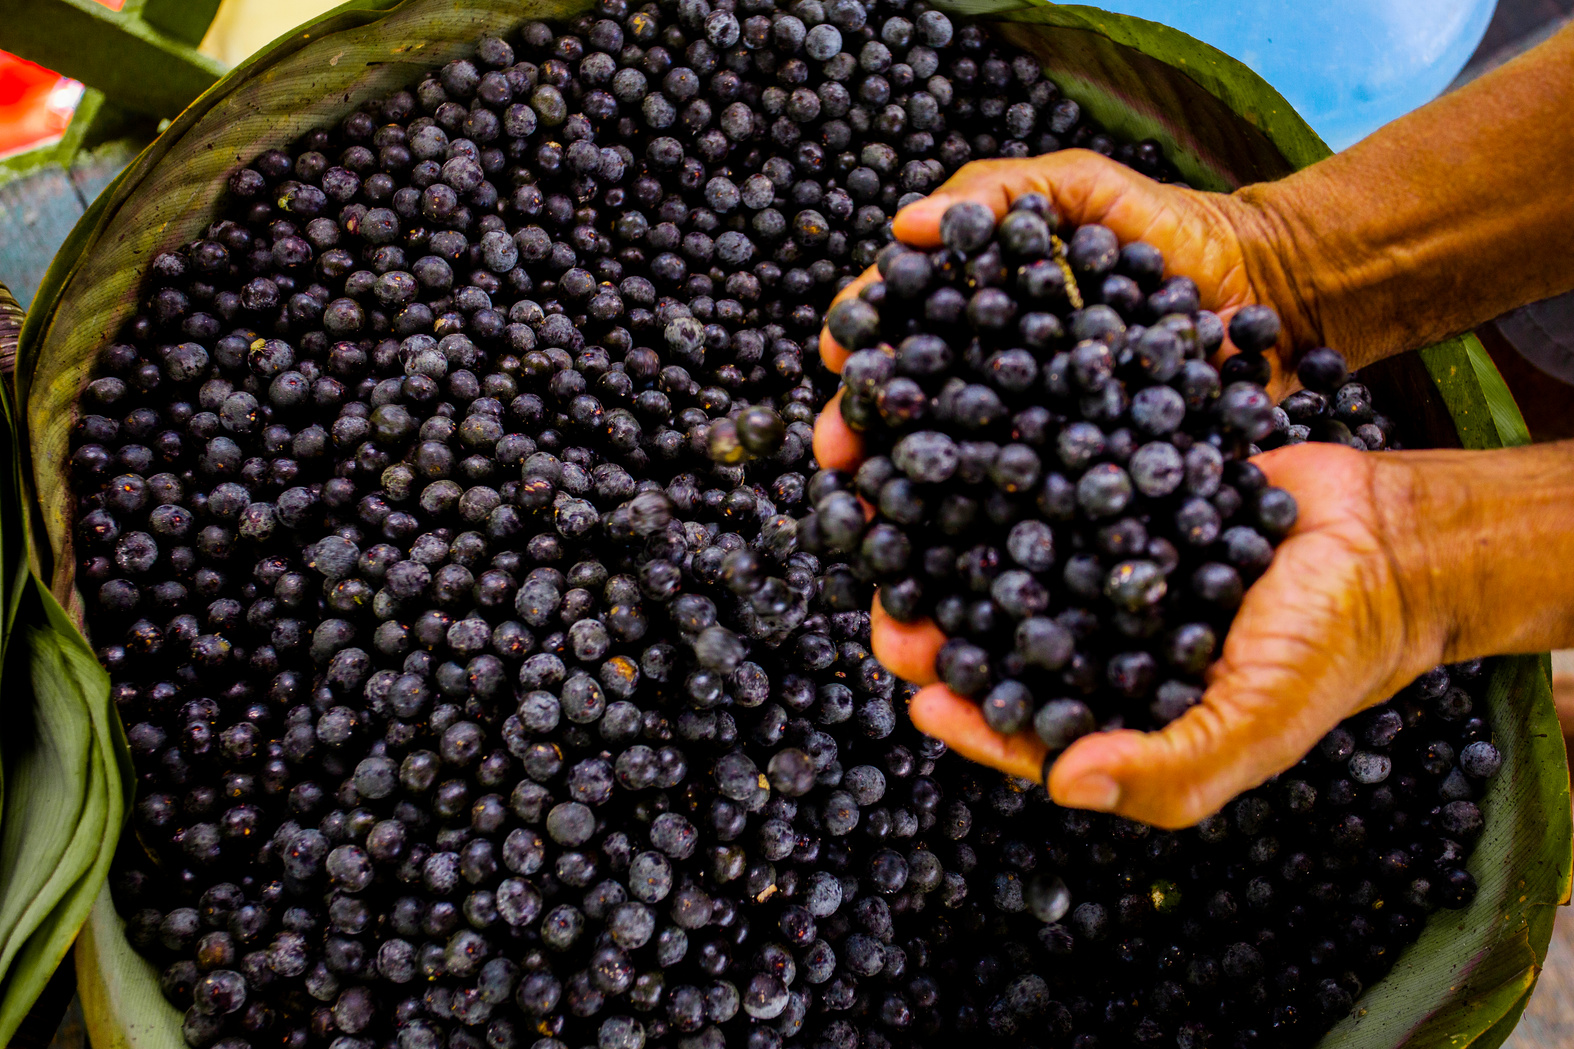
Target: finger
1234,740
1191,228
1281,380
1303,653
1085,187
1321,477
941,713
832,352
1253,720
1229,743
908,650
836,445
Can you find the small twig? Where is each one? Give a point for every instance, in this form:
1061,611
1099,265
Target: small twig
1057,249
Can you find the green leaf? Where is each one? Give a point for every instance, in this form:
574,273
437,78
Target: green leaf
50,760
13,507
1484,411
1506,418
1505,1027
44,950
184,20
121,1000
63,814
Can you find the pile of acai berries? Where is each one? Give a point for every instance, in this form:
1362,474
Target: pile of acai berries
438,523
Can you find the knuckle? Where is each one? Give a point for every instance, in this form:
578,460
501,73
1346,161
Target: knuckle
1000,169
1163,805
1201,730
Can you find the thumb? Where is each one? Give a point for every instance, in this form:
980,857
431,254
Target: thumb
1084,186
1256,719
1187,771
832,352
1311,644
836,445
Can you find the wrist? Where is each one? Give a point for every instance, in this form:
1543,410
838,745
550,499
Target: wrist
1483,548
1292,266
1420,518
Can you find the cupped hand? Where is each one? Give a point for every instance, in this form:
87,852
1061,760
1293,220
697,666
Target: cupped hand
1331,628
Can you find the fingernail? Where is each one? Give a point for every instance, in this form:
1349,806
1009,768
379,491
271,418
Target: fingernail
1094,791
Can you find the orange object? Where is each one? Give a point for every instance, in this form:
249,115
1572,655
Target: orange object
35,103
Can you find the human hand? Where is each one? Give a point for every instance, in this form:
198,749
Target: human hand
1335,625
1200,235
1398,562
1220,241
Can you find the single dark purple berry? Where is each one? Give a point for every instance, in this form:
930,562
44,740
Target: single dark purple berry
1322,370
1254,329
966,226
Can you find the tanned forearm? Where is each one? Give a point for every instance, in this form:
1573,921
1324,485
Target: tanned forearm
1443,219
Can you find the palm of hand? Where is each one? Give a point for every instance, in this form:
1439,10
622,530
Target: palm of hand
1318,637
1312,643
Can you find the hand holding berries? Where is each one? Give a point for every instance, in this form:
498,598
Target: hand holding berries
1124,377
1331,628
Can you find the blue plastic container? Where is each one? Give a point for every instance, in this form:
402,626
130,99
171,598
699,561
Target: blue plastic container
1347,66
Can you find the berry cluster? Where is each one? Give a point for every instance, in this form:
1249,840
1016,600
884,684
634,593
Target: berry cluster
1259,927
1059,477
438,524
1332,407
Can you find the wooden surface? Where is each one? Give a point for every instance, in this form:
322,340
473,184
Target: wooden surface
37,210
36,213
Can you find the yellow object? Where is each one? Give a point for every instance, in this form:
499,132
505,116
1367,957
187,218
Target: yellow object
242,27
